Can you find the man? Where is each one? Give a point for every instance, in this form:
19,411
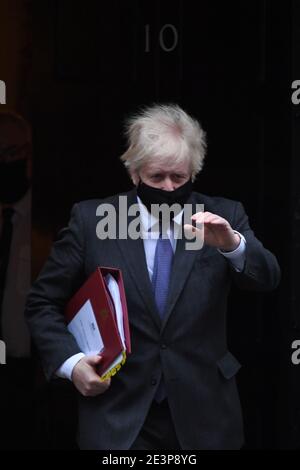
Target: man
16,376
177,388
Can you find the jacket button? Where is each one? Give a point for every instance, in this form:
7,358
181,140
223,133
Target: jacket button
163,346
153,382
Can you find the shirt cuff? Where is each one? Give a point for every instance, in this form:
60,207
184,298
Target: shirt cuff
66,369
237,257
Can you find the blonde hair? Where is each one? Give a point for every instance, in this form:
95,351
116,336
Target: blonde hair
165,134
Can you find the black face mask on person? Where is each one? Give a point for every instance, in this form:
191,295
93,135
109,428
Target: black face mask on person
150,195
13,181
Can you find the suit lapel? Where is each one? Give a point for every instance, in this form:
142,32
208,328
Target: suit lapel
182,264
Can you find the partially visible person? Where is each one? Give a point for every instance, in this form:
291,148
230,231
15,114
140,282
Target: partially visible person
17,376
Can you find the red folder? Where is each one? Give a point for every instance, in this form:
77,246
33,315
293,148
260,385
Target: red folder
96,291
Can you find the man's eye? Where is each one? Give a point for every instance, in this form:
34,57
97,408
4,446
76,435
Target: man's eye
178,177
157,176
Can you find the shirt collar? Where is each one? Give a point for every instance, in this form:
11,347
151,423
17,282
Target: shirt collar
148,220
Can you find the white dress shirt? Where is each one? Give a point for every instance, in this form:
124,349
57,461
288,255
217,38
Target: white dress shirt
150,237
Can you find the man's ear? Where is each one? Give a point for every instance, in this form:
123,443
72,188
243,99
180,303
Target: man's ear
134,177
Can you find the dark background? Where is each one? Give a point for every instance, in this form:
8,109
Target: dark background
229,64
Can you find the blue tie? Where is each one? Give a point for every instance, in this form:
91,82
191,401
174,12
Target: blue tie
160,281
161,272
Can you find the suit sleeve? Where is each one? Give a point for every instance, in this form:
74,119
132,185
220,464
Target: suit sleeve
55,285
261,270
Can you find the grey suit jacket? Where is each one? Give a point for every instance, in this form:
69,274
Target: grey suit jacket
188,347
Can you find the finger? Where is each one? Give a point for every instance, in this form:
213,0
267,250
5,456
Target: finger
93,360
217,221
198,216
203,218
190,230
102,385
210,218
201,213
95,388
196,221
104,381
96,385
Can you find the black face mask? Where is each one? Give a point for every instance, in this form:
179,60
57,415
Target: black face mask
13,181
150,195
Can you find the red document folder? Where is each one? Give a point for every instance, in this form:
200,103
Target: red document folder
95,294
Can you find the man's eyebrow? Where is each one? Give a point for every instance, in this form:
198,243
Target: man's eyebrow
173,172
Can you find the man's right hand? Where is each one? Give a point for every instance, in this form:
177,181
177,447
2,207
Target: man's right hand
86,379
